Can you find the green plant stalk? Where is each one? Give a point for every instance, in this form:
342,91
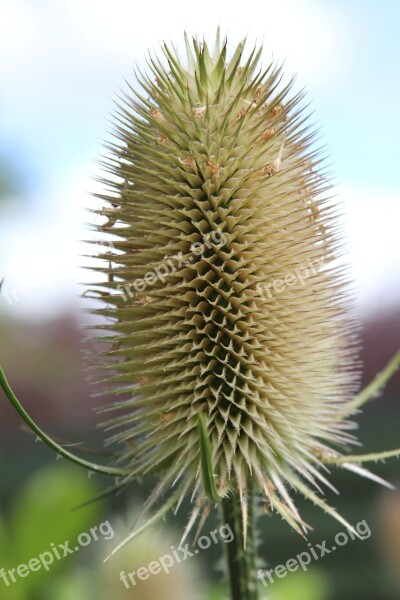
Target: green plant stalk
103,469
241,557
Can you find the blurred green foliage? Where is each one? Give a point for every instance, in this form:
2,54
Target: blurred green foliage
311,585
42,513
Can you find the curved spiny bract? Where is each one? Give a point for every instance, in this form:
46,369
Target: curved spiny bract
224,290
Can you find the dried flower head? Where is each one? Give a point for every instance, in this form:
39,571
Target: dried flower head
247,345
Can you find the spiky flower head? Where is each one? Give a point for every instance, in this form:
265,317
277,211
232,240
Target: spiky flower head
227,311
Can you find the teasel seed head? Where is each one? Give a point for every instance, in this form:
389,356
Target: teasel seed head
228,314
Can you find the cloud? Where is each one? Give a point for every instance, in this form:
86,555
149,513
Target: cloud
371,221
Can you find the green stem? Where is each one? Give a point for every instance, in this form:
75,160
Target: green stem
104,469
242,567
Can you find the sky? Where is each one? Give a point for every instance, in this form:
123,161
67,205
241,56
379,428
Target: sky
63,61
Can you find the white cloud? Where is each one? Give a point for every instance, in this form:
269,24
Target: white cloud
372,222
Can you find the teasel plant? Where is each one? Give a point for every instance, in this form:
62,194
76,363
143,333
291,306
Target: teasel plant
240,393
